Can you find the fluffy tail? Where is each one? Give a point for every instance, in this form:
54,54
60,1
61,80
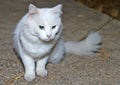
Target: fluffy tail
87,47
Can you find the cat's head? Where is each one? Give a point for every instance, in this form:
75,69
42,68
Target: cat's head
45,23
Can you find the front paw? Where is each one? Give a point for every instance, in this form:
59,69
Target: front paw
29,77
41,72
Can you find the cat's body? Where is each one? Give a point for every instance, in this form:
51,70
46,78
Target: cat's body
37,38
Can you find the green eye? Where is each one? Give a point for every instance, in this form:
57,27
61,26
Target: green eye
41,27
53,27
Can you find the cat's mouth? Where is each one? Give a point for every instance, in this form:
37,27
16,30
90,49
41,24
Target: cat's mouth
49,41
46,40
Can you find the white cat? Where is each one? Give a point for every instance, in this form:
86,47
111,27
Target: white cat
37,40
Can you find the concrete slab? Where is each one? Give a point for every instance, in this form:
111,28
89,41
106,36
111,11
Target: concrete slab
111,38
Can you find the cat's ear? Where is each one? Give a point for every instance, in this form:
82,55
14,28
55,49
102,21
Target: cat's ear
32,9
57,9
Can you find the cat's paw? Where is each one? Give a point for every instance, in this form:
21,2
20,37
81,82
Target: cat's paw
42,72
29,77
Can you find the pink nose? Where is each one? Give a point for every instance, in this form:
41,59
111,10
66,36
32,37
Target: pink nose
48,36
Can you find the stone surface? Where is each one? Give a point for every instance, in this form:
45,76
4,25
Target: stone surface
73,70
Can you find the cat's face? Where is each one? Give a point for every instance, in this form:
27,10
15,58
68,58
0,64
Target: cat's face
45,23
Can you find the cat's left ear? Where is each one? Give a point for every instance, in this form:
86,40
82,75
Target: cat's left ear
57,9
32,9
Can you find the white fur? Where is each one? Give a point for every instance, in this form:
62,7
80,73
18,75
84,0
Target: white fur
87,47
42,45
40,69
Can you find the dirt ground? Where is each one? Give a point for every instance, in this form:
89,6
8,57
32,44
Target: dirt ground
78,20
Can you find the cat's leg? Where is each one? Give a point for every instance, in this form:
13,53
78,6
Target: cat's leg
29,65
58,52
40,69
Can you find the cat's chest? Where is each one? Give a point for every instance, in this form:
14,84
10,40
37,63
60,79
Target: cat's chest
36,49
41,50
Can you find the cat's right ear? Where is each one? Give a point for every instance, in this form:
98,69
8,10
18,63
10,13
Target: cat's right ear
57,9
32,9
